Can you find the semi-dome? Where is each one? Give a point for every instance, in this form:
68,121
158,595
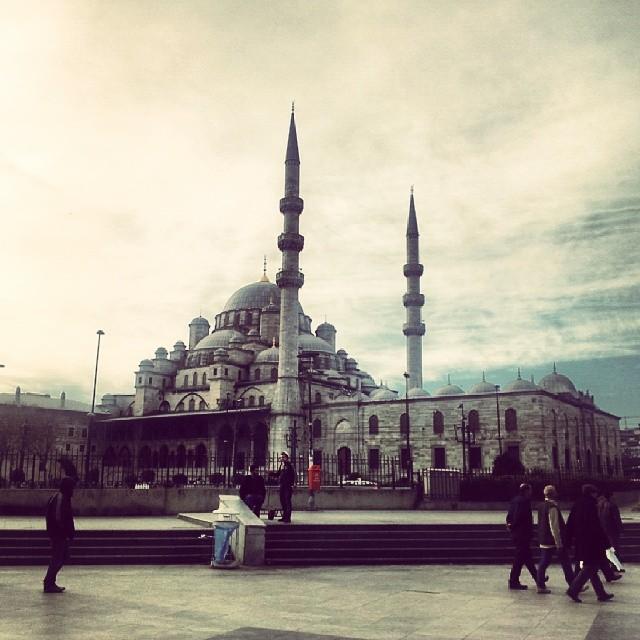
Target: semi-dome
418,392
482,387
521,385
256,295
220,338
449,389
557,383
268,355
309,342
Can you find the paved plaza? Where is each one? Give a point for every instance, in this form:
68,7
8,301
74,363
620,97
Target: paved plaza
197,603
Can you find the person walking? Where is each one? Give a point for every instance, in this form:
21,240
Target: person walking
590,541
551,537
611,522
61,530
253,490
520,525
287,478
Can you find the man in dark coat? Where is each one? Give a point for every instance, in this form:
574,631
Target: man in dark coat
590,542
61,530
520,525
252,490
612,524
287,478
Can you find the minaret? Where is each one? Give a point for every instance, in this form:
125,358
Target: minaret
287,405
413,300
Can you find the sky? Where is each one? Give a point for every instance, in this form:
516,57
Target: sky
141,166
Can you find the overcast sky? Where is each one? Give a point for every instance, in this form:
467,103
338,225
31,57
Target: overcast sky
141,164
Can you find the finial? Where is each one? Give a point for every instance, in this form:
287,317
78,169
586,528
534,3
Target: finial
411,189
273,341
554,368
483,380
532,381
264,267
519,374
293,106
448,378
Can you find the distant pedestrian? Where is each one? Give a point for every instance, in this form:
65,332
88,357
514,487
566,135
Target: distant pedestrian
520,525
590,541
551,537
287,478
61,530
253,490
611,522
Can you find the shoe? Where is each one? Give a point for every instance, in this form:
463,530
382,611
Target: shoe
573,596
614,578
53,588
518,587
543,590
605,597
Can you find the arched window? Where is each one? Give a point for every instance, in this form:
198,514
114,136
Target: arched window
202,406
274,374
256,374
181,456
261,401
317,428
511,420
567,459
201,456
438,423
252,401
144,457
192,404
186,381
473,421
195,378
318,398
404,424
204,379
373,425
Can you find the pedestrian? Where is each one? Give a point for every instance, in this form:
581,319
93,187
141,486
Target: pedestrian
61,530
287,478
252,490
590,542
551,537
611,522
520,525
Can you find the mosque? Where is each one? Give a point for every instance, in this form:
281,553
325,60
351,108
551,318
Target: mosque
260,381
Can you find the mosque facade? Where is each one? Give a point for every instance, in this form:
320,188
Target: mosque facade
259,380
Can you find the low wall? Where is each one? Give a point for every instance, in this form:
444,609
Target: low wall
160,501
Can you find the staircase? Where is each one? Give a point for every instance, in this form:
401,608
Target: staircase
403,544
28,547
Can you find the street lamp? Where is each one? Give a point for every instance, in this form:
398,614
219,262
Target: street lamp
497,388
408,428
465,436
99,333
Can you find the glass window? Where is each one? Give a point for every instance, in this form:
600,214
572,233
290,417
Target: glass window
438,423
317,428
511,420
256,374
439,458
404,424
373,425
473,421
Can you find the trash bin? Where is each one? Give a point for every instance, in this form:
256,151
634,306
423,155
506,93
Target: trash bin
225,540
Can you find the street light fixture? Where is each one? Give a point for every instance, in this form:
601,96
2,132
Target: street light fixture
465,436
497,388
408,429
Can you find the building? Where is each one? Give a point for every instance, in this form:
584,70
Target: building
259,380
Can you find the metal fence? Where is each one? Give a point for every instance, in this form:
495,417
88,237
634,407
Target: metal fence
25,469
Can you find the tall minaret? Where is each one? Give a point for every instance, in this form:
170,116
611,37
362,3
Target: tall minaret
287,405
413,301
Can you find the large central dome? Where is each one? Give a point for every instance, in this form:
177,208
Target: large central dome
256,295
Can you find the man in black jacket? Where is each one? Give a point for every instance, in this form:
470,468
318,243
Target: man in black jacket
520,525
590,541
287,478
61,530
252,490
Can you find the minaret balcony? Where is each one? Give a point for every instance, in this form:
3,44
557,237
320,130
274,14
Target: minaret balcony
288,278
414,329
291,204
413,269
290,242
413,300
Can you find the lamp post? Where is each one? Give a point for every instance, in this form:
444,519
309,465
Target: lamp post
466,437
497,388
99,333
408,428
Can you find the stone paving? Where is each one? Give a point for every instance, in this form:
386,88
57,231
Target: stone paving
434,602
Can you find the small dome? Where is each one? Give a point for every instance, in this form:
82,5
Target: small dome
268,355
418,392
254,333
146,364
449,389
200,320
220,338
161,353
341,352
325,326
237,340
557,383
309,342
383,393
482,387
179,346
521,385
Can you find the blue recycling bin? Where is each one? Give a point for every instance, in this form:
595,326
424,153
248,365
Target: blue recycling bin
225,553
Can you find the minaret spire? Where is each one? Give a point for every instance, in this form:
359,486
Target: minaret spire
413,300
287,403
